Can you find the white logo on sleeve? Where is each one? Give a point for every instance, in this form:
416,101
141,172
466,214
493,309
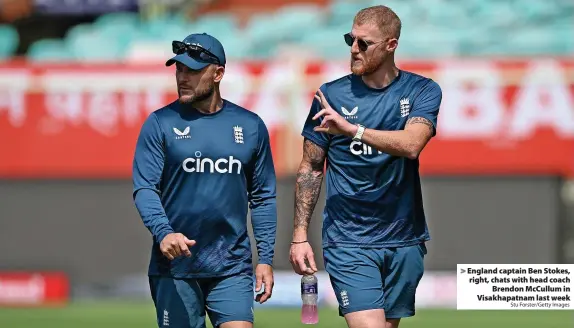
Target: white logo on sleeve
182,135
350,114
405,107
238,134
198,164
165,318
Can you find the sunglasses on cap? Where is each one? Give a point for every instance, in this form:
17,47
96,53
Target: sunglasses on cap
363,45
194,51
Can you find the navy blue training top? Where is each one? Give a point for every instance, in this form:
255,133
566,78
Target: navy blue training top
373,199
195,174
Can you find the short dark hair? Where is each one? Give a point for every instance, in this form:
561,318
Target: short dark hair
383,17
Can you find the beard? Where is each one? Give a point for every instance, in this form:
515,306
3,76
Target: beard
201,92
366,67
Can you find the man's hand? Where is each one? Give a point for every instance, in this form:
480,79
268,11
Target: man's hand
332,122
263,275
298,255
176,244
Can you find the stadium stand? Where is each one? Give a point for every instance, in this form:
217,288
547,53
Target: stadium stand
8,41
434,28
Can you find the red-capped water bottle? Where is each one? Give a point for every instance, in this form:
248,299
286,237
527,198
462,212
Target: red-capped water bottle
309,296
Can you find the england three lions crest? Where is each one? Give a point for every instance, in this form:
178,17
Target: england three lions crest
238,134
405,107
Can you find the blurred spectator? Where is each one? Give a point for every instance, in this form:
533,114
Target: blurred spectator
10,10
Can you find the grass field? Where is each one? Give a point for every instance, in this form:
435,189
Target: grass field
125,315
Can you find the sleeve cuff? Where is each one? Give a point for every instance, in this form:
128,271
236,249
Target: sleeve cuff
265,261
429,118
164,232
316,140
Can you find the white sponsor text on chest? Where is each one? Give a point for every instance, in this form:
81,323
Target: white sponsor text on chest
199,164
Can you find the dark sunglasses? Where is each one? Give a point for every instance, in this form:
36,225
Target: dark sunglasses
194,51
363,45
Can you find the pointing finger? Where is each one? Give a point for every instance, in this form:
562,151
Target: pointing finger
320,113
322,97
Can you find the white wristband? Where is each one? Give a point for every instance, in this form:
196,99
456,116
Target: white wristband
359,135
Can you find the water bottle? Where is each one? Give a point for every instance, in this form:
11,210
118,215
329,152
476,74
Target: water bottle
309,296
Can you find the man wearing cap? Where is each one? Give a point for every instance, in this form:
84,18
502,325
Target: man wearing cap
199,162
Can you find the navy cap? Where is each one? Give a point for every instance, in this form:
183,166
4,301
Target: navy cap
205,41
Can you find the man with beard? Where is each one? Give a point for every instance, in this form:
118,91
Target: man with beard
370,126
198,163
